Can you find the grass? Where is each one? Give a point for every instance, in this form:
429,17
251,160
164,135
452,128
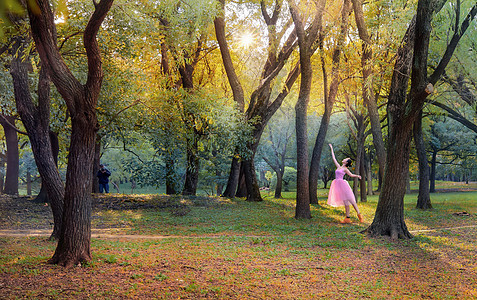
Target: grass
233,249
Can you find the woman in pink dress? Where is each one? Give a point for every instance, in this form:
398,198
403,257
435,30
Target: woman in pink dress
340,192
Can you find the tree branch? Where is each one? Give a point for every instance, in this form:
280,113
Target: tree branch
4,121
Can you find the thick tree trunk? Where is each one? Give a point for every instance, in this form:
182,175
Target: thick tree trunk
42,196
423,199
248,165
74,242
302,194
242,185
253,190
232,182
81,100
11,177
260,108
389,216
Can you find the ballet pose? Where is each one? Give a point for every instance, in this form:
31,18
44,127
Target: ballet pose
340,192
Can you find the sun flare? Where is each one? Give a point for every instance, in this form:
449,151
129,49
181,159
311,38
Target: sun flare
247,39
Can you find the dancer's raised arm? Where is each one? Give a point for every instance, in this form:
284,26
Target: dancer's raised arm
333,156
352,175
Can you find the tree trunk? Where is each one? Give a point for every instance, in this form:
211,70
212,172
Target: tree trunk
253,190
75,235
36,120
362,183
278,187
192,170
242,186
367,84
433,172
261,108
11,177
305,42
423,199
329,99
74,242
389,217
42,196
233,179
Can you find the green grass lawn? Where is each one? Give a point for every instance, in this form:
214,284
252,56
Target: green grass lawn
213,248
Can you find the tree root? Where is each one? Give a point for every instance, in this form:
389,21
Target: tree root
395,232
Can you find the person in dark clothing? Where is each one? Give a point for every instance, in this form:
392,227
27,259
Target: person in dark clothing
103,175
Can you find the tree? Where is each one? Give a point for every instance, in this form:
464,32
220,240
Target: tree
367,84
74,242
36,119
306,42
389,217
11,178
423,198
330,94
261,106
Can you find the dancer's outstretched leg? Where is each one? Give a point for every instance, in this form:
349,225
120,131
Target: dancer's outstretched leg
360,217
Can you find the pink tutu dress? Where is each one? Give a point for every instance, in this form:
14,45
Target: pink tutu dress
340,192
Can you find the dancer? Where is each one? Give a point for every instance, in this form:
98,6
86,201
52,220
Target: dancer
340,192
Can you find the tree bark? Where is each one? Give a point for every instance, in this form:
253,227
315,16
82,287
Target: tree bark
11,138
278,187
75,235
261,108
329,99
369,174
362,182
233,179
367,85
432,188
192,170
42,196
389,217
305,43
423,199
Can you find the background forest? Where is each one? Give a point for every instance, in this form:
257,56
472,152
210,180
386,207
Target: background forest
149,119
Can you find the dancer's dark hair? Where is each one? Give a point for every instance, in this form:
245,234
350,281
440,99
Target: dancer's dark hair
349,162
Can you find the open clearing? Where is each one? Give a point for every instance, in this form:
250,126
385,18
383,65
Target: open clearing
209,248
